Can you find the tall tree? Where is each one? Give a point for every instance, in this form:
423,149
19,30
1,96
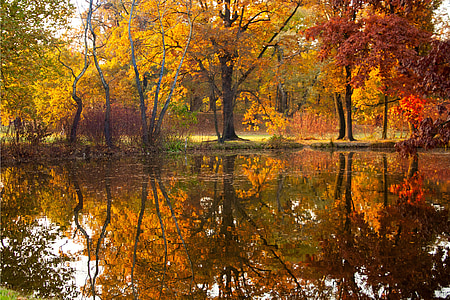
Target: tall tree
237,35
95,46
76,78
28,31
369,35
336,34
169,19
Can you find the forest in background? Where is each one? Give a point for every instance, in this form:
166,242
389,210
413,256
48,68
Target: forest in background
144,73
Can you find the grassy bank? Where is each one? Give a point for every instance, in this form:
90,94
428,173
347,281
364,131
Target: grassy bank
7,294
60,150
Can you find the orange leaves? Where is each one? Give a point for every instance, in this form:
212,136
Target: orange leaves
411,108
259,113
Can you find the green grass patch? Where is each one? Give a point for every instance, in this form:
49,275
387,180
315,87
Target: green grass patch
7,294
255,137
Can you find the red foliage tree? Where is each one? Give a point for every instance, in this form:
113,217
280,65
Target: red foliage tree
381,38
431,74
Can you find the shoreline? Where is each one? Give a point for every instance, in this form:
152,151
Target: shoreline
61,151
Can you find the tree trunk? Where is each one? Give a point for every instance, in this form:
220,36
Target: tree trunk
145,136
385,118
195,103
227,65
108,134
348,102
281,99
340,114
213,102
107,127
76,119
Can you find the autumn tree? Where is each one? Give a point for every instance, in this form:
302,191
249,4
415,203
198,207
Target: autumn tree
234,36
392,34
28,32
336,35
367,36
166,17
72,136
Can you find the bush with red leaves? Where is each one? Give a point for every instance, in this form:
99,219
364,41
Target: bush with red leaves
430,134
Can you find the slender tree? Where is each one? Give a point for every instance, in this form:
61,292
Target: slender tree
145,138
107,124
79,102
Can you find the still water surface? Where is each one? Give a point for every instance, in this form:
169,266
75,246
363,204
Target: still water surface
297,225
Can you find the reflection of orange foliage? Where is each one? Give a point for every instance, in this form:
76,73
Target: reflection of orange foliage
259,173
410,190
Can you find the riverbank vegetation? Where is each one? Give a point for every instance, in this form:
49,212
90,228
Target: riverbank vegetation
172,75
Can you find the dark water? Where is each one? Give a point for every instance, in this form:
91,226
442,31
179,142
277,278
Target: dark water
300,225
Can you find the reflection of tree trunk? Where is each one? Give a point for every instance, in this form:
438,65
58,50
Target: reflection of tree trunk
76,212
348,190
226,230
107,219
280,191
413,165
213,209
144,196
228,197
77,209
339,177
385,184
272,248
158,212
169,204
340,114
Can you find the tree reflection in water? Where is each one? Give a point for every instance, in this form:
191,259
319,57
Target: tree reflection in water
399,260
309,225
89,240
30,261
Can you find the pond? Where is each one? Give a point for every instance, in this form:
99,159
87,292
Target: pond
274,225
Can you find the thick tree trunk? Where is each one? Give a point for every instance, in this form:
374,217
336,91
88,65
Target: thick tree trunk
348,102
385,118
195,103
226,62
340,114
282,97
